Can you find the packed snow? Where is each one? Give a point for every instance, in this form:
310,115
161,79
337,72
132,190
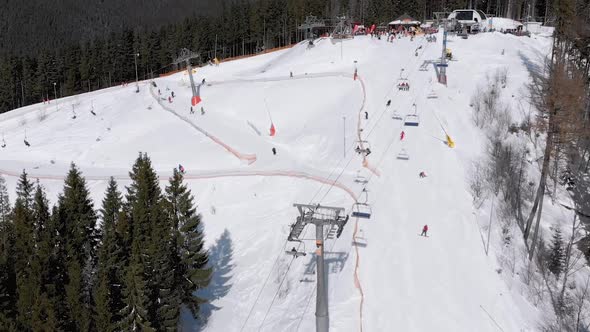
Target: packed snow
396,280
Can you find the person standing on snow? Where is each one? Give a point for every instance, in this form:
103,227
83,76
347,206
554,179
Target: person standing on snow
402,135
202,111
274,151
366,115
424,231
192,111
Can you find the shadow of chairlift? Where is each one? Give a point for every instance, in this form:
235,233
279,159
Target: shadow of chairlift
396,115
360,240
361,179
25,140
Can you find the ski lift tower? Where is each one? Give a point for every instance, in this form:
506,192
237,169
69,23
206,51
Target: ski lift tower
442,72
343,29
320,216
185,56
310,23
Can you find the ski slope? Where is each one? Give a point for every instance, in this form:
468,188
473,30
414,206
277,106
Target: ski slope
397,280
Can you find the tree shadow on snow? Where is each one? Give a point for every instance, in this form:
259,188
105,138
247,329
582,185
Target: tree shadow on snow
532,65
221,261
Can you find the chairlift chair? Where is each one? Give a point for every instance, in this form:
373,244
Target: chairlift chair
362,210
403,84
296,253
412,120
403,155
363,147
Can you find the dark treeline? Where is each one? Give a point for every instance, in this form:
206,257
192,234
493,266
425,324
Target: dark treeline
29,26
80,64
60,272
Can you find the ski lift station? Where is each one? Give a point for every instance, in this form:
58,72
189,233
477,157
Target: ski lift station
468,18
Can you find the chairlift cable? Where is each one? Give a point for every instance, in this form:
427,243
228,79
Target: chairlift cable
325,195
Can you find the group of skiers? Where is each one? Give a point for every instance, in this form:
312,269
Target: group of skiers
404,86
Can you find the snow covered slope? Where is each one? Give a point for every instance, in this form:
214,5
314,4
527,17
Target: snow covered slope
397,280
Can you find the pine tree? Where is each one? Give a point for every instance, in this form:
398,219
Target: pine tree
56,289
142,211
556,253
108,293
7,260
24,246
44,317
192,272
78,216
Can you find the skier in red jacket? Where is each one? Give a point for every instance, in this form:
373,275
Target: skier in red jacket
402,135
424,231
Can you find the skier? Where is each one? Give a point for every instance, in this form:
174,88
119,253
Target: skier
274,151
192,111
170,99
181,168
389,102
172,94
402,135
422,174
424,231
202,111
203,82
291,74
368,152
366,115
159,92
